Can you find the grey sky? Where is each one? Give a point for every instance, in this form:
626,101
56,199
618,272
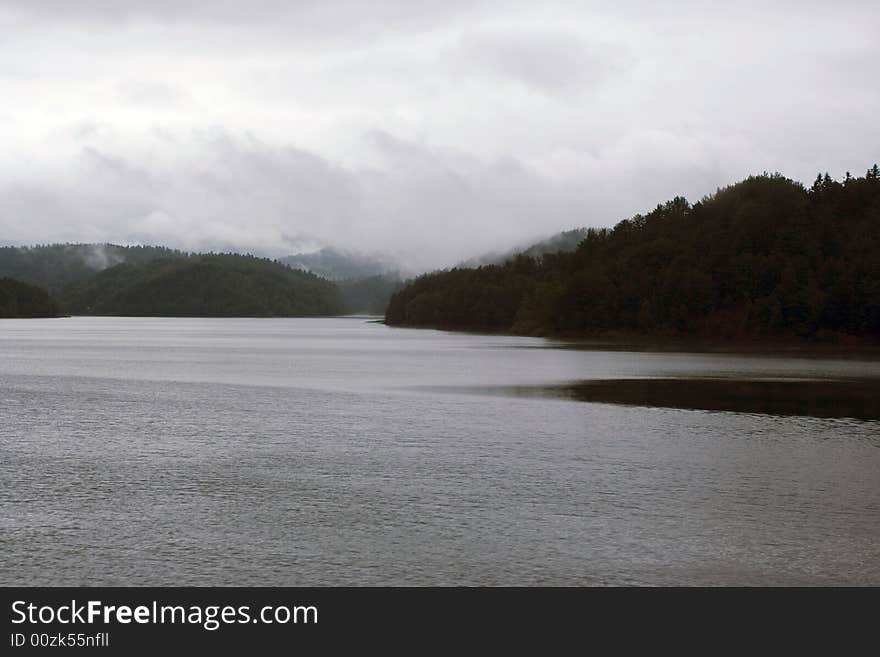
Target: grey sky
433,131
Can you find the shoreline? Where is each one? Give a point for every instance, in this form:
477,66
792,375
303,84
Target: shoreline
843,345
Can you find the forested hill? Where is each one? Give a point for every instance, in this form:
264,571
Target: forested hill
567,240
203,286
18,299
72,273
339,265
764,257
55,266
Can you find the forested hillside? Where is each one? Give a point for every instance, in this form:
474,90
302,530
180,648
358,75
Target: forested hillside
18,299
765,257
73,273
204,286
566,240
55,266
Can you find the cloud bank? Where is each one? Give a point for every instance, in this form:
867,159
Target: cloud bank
430,131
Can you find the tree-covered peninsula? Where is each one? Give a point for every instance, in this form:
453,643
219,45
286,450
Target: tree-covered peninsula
766,257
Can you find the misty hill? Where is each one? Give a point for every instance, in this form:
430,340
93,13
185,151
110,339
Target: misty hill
567,240
19,299
64,269
55,266
765,257
366,282
337,265
204,286
369,295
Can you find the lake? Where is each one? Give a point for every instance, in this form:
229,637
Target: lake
153,451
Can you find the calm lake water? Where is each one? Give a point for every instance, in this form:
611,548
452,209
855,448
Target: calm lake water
338,451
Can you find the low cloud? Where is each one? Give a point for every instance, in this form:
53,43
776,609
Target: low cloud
422,207
429,131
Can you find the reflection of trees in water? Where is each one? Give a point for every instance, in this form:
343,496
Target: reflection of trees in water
858,398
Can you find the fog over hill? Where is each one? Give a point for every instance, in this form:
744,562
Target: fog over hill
110,279
55,266
565,241
431,131
336,265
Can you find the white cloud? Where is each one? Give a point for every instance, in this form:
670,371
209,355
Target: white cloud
434,130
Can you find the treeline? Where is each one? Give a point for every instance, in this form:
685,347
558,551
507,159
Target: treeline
140,280
226,285
55,266
23,300
567,240
765,257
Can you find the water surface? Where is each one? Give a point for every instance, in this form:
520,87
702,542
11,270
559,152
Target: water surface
337,451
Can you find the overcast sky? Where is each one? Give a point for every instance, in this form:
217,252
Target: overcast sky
433,131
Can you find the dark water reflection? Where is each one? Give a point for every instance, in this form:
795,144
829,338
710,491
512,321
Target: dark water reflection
856,398
829,398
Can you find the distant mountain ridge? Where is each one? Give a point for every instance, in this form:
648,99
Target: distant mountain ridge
337,265
366,282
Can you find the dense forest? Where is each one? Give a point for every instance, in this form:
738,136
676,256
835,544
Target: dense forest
203,286
766,257
54,266
73,273
18,299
